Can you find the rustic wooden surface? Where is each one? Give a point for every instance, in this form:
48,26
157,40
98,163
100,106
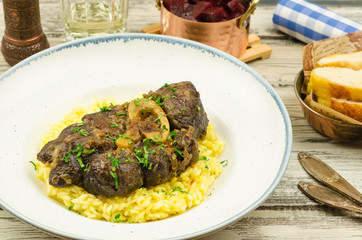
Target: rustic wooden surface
287,213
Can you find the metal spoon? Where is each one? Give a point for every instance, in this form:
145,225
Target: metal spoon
325,174
328,197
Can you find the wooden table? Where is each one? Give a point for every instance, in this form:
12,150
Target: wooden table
287,213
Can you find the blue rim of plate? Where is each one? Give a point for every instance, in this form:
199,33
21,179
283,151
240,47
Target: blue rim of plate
126,37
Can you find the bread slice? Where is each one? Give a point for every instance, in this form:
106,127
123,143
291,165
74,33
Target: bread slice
333,82
328,111
351,60
348,108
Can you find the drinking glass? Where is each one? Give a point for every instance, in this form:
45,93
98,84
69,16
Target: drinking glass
85,18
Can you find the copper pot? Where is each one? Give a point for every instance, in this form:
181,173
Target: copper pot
229,36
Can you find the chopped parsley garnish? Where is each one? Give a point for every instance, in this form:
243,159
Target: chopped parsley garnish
224,163
157,136
114,125
81,164
115,178
80,124
207,167
70,208
89,151
164,128
160,147
116,218
166,85
81,131
35,168
158,118
121,114
79,151
198,108
115,160
66,157
158,101
173,107
203,158
179,189
105,109
182,111
178,151
142,155
86,168
171,135
112,138
120,136
147,99
171,194
137,102
173,89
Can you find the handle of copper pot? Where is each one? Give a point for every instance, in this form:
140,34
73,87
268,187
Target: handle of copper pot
158,4
243,20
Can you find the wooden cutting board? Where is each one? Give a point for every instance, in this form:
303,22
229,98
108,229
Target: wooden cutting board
254,51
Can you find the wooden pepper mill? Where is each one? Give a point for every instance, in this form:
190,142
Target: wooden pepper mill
23,35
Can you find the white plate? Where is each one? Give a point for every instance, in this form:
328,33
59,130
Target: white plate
245,110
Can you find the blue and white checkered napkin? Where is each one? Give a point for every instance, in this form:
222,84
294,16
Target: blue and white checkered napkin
309,22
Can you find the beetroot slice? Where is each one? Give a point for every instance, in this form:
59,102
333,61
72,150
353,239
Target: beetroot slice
220,3
200,8
175,6
231,5
207,10
214,14
235,8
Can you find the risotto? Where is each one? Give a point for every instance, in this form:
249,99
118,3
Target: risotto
182,192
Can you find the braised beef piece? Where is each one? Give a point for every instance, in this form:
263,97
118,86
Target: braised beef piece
77,145
66,173
88,154
112,120
51,150
113,174
187,146
160,161
182,104
96,131
156,161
